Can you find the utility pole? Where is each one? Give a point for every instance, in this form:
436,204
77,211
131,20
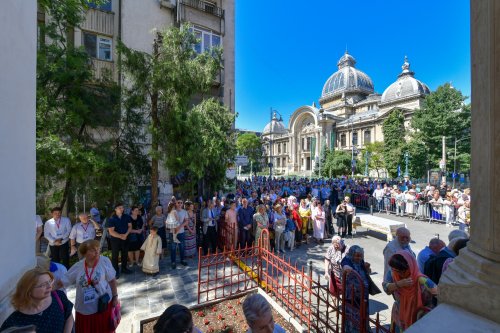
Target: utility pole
443,160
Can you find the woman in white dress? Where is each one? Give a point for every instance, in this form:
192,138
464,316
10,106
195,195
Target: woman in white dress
319,222
152,248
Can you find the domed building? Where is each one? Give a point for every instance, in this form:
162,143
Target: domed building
351,114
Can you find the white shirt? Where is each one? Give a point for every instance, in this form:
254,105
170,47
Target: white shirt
57,230
378,193
181,216
38,222
82,233
101,276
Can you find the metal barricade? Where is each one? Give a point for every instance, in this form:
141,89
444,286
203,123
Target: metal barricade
237,271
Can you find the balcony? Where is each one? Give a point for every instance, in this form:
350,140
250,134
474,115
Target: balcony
101,68
204,6
99,21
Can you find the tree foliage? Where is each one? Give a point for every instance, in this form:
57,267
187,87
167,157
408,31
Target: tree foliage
444,114
73,109
418,158
187,138
376,157
337,163
394,141
250,144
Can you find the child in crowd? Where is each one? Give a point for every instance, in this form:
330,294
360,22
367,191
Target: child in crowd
152,248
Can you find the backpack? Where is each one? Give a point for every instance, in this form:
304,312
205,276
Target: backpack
433,267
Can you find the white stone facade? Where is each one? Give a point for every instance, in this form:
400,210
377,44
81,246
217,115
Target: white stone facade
350,113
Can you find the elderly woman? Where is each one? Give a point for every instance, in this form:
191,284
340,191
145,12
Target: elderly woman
262,222
318,222
354,261
334,255
279,224
36,304
96,292
405,282
259,316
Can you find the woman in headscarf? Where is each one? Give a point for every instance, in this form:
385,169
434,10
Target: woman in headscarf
262,222
354,261
305,215
405,282
334,255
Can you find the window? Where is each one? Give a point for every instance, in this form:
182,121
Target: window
279,148
343,140
355,138
308,144
105,6
284,162
98,46
278,162
367,137
284,147
207,40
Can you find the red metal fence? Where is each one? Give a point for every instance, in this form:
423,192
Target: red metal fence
313,305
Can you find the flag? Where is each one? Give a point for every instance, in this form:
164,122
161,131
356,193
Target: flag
399,170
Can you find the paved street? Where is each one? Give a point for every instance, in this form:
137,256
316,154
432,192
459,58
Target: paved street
145,296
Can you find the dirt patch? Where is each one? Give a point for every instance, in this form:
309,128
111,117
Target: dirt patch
224,317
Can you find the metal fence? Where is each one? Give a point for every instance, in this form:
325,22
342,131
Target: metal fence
237,271
415,209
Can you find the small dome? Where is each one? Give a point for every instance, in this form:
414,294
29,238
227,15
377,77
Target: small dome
275,127
405,86
347,78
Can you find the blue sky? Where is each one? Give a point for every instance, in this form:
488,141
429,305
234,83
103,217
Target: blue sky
286,50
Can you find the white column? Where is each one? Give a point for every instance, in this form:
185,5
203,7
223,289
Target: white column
18,37
472,282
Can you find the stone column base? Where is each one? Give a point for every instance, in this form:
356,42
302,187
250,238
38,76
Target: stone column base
449,318
471,283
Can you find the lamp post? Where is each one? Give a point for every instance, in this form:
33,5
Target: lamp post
273,117
407,156
353,164
367,159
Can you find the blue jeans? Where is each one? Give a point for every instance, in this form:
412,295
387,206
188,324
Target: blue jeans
173,246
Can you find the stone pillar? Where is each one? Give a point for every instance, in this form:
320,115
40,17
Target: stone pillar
17,143
472,282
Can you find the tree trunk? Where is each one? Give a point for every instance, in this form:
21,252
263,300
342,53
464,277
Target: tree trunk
65,193
154,151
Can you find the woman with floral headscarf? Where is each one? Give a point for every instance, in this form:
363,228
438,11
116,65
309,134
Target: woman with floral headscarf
334,255
354,261
408,286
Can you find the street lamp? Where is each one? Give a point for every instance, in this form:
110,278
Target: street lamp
273,117
367,160
407,156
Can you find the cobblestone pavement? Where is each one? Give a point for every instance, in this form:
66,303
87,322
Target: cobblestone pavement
143,296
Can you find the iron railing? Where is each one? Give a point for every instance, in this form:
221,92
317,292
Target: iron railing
204,6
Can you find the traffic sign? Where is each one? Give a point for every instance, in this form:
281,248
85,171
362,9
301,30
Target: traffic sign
241,160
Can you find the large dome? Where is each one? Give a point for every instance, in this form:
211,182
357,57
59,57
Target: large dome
347,79
275,127
405,86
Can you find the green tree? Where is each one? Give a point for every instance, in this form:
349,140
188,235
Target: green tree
417,162
322,159
376,157
165,83
444,114
250,144
81,141
337,163
394,141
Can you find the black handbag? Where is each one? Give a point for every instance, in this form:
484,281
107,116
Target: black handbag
102,303
372,287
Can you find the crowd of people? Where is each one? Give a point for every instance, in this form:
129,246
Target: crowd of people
293,211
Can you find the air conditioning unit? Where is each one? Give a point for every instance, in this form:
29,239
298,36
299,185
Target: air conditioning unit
170,4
